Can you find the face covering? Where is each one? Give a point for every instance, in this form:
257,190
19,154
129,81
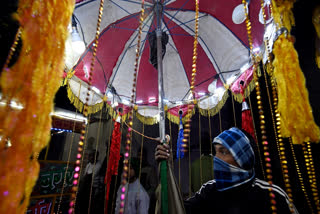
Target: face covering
226,175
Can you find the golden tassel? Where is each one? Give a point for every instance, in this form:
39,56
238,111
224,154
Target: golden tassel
282,13
295,111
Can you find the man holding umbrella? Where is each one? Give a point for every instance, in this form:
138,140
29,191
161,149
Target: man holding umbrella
235,188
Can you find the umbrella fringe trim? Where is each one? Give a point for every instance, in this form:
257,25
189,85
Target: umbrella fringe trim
176,119
247,91
154,120
217,108
78,104
147,120
113,113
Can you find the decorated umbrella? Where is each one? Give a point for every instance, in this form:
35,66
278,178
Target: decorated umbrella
223,53
165,58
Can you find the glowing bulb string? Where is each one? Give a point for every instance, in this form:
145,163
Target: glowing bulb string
95,161
187,129
275,116
306,148
258,145
82,151
303,188
85,112
69,155
265,143
12,49
129,134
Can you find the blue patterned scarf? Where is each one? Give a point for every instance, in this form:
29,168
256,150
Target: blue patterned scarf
226,175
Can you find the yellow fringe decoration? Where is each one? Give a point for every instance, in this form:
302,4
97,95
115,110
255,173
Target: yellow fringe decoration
282,13
247,92
78,104
147,120
176,119
33,82
295,111
113,113
69,75
217,108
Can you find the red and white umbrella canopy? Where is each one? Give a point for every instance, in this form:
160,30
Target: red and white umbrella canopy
222,50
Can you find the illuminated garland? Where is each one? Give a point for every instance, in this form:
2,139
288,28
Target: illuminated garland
275,116
130,118
33,82
79,161
264,139
187,127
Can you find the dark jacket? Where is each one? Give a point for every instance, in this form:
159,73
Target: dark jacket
252,197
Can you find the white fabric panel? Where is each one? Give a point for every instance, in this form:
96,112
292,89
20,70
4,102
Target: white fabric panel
122,74
148,111
70,56
175,80
74,84
88,15
213,100
228,52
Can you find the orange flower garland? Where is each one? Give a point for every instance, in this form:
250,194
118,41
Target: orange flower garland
32,82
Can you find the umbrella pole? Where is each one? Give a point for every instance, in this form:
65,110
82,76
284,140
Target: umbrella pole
163,164
160,85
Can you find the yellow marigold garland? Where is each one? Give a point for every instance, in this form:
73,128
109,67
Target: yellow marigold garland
295,111
33,82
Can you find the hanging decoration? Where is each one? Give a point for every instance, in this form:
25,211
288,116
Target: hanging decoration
180,149
246,117
28,127
114,157
316,24
124,178
297,121
261,114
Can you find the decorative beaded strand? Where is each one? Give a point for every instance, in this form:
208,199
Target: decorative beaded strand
68,162
187,129
13,48
303,188
256,137
306,147
76,175
277,124
82,151
279,141
276,117
261,114
129,134
314,180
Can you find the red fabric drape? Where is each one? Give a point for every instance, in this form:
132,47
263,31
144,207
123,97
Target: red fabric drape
247,122
113,163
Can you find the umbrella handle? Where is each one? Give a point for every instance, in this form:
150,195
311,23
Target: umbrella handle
164,187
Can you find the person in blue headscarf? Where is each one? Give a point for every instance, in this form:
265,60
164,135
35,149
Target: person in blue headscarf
235,188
